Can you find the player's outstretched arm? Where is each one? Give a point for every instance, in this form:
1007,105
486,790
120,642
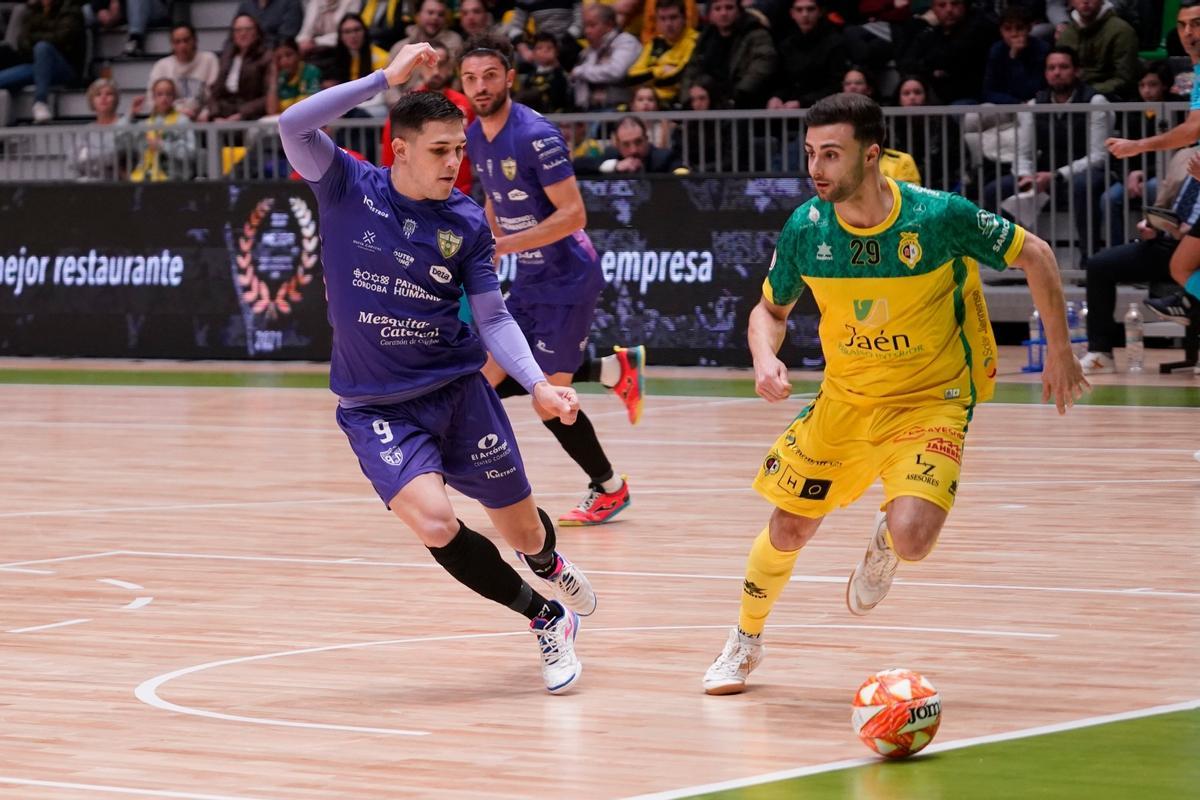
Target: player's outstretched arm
1062,376
569,215
1184,134
505,341
308,149
768,326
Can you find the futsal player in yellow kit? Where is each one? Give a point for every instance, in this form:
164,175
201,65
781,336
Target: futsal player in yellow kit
909,352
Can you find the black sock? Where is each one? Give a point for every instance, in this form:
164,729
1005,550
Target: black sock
588,372
476,563
543,562
510,388
581,444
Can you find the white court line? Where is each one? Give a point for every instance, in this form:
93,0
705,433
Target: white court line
140,602
641,490
62,558
958,744
120,584
129,790
362,562
147,691
48,627
29,571
702,403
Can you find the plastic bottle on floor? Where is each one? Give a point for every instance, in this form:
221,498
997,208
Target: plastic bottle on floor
1135,334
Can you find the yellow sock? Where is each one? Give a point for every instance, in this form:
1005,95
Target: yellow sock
767,572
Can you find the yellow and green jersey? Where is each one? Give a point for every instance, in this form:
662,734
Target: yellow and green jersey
903,318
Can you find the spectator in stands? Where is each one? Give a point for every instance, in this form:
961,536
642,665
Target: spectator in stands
193,71
932,141
650,27
703,145
631,152
666,55
432,25
582,145
140,14
813,57
1015,63
318,35
598,78
1141,182
952,55
857,80
96,155
630,16
291,79
240,92
877,31
645,100
1107,47
737,53
441,81
386,21
1074,159
167,147
277,19
563,18
1147,260
49,51
474,19
355,56
544,84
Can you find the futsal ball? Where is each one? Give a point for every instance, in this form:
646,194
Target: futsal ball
896,712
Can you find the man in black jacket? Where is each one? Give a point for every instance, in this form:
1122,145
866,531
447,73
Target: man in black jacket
812,57
632,152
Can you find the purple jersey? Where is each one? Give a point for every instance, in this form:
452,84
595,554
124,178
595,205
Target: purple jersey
393,272
528,154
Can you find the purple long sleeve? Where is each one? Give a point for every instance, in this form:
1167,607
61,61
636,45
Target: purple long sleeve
503,339
308,149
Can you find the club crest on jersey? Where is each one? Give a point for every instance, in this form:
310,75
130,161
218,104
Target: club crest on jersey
910,249
509,167
448,243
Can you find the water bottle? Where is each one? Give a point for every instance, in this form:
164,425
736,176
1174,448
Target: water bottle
1134,336
1035,326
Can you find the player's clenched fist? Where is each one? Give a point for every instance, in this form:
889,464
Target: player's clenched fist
410,57
562,401
771,381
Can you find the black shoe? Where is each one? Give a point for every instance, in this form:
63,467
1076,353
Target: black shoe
134,47
1179,307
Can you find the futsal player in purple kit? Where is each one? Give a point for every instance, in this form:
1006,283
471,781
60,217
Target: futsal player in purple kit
535,210
399,248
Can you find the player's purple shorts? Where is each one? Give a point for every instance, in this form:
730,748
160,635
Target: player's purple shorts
459,431
557,335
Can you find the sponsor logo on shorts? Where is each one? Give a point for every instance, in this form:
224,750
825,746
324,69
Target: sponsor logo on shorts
923,473
946,448
491,449
952,394
542,347
804,487
953,488
583,344
494,474
440,274
393,456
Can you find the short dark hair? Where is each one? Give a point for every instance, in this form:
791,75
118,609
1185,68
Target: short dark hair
1017,15
413,110
857,110
630,119
678,4
187,26
1063,50
546,36
489,44
1189,3
287,43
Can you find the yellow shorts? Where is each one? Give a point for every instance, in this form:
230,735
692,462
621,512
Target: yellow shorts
834,451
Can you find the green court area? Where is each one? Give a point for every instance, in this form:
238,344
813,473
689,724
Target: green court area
1179,396
1152,758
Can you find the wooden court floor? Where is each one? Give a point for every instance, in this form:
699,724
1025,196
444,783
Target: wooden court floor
201,598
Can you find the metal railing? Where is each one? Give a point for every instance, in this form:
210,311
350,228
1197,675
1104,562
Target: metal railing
967,149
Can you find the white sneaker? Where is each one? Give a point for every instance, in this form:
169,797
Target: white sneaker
1098,364
569,584
41,112
556,639
728,673
872,578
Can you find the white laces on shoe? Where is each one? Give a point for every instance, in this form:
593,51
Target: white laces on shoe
729,663
589,501
552,641
881,563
